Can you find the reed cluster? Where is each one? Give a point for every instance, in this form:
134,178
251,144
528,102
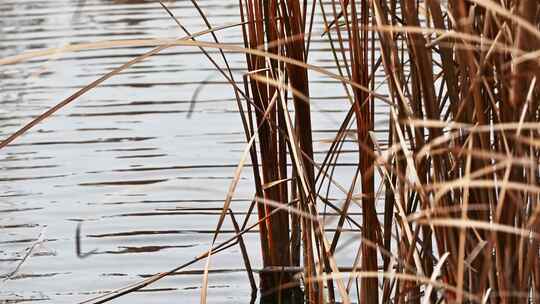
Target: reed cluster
457,219
449,197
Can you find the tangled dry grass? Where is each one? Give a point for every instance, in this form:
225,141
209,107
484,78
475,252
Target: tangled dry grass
450,200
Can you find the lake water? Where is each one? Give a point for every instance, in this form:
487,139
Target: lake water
146,181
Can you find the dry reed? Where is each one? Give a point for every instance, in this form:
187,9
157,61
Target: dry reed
458,217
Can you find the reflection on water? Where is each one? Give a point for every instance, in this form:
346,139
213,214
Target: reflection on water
147,181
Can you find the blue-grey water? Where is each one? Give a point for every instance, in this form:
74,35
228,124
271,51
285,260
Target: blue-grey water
146,181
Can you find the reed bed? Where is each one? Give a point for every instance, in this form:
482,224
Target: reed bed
450,195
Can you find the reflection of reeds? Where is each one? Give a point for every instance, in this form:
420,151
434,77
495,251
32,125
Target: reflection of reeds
458,218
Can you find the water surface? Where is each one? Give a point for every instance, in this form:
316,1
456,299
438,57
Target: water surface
146,181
